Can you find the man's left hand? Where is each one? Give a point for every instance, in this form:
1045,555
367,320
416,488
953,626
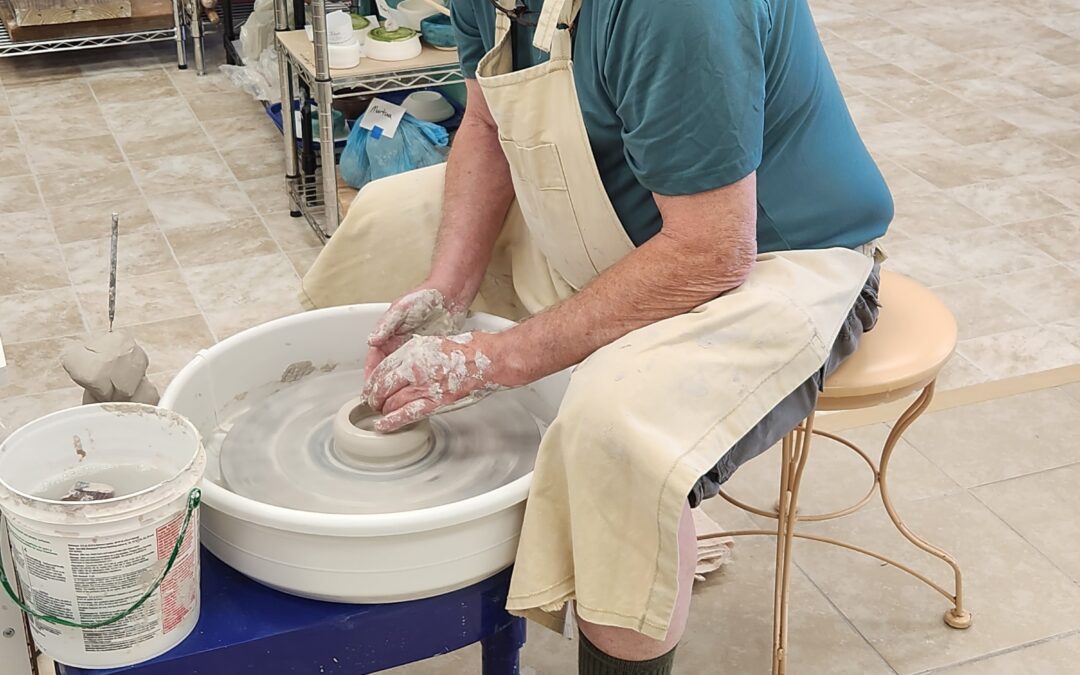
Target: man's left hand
430,374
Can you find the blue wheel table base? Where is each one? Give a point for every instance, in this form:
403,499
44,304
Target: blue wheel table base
245,627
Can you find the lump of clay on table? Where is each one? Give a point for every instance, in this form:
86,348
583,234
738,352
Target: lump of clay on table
82,491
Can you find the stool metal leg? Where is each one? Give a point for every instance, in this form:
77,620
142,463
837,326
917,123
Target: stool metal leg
501,649
956,616
796,451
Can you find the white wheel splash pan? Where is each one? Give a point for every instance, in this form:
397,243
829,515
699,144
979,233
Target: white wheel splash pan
343,558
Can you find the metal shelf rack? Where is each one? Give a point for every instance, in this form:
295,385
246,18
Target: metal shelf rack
304,67
183,25
233,15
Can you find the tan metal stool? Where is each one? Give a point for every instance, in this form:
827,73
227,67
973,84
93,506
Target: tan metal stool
914,338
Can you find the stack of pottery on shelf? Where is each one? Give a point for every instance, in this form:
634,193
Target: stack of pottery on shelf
342,44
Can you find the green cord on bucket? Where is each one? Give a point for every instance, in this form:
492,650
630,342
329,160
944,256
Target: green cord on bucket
193,500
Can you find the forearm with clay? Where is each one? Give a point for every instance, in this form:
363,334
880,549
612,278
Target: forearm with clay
707,247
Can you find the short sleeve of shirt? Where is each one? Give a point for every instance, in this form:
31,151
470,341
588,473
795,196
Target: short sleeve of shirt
470,43
687,81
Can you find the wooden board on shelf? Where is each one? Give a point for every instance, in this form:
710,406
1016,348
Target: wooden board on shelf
296,42
145,15
48,12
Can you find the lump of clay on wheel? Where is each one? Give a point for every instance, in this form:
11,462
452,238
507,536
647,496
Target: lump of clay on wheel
111,368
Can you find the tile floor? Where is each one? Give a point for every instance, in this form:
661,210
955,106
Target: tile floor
972,108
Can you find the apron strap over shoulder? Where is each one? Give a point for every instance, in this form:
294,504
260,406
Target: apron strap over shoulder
502,25
554,14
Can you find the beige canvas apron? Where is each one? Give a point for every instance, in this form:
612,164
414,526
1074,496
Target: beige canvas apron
643,417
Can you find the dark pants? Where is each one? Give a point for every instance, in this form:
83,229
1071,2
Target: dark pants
798,404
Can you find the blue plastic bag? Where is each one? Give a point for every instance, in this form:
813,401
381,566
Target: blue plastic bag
415,145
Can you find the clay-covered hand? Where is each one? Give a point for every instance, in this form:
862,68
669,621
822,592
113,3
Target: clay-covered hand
424,311
429,375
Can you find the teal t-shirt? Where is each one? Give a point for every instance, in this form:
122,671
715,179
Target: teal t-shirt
684,96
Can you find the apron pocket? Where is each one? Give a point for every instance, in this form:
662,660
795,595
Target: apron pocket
541,190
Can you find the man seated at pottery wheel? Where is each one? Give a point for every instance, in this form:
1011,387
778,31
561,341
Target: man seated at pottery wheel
685,213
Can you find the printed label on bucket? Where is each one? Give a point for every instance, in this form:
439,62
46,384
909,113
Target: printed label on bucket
86,581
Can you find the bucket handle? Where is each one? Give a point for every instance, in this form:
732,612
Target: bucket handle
193,501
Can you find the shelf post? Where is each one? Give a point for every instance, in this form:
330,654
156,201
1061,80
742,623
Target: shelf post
324,98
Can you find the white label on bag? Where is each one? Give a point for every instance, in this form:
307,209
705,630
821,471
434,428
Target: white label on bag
382,118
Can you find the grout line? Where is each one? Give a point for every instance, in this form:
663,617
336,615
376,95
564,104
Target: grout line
1001,652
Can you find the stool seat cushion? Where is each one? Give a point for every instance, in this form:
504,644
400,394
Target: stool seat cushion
914,337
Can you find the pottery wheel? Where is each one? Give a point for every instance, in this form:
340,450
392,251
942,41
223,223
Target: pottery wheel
279,449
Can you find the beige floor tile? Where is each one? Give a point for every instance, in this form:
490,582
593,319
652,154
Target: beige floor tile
1060,186
41,98
980,311
999,439
1008,60
9,130
18,193
881,79
1023,504
129,86
188,83
1020,352
972,127
1053,657
76,187
845,56
835,477
37,315
1043,117
1046,294
40,69
260,161
945,68
32,269
907,137
181,172
220,242
175,140
172,343
25,229
961,167
1065,51
85,154
902,618
232,133
267,194
16,411
234,285
34,367
77,222
901,181
922,101
949,258
291,233
13,161
1056,81
142,299
1068,140
1008,201
5,109
995,92
137,254
161,380
958,373
78,121
230,322
1070,329
302,259
218,105
935,212
162,113
1017,156
1059,235
201,206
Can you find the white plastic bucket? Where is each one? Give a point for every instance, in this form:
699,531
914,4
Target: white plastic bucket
88,562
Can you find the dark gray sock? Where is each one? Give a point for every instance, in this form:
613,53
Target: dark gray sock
592,661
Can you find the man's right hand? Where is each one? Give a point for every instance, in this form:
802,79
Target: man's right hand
422,311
